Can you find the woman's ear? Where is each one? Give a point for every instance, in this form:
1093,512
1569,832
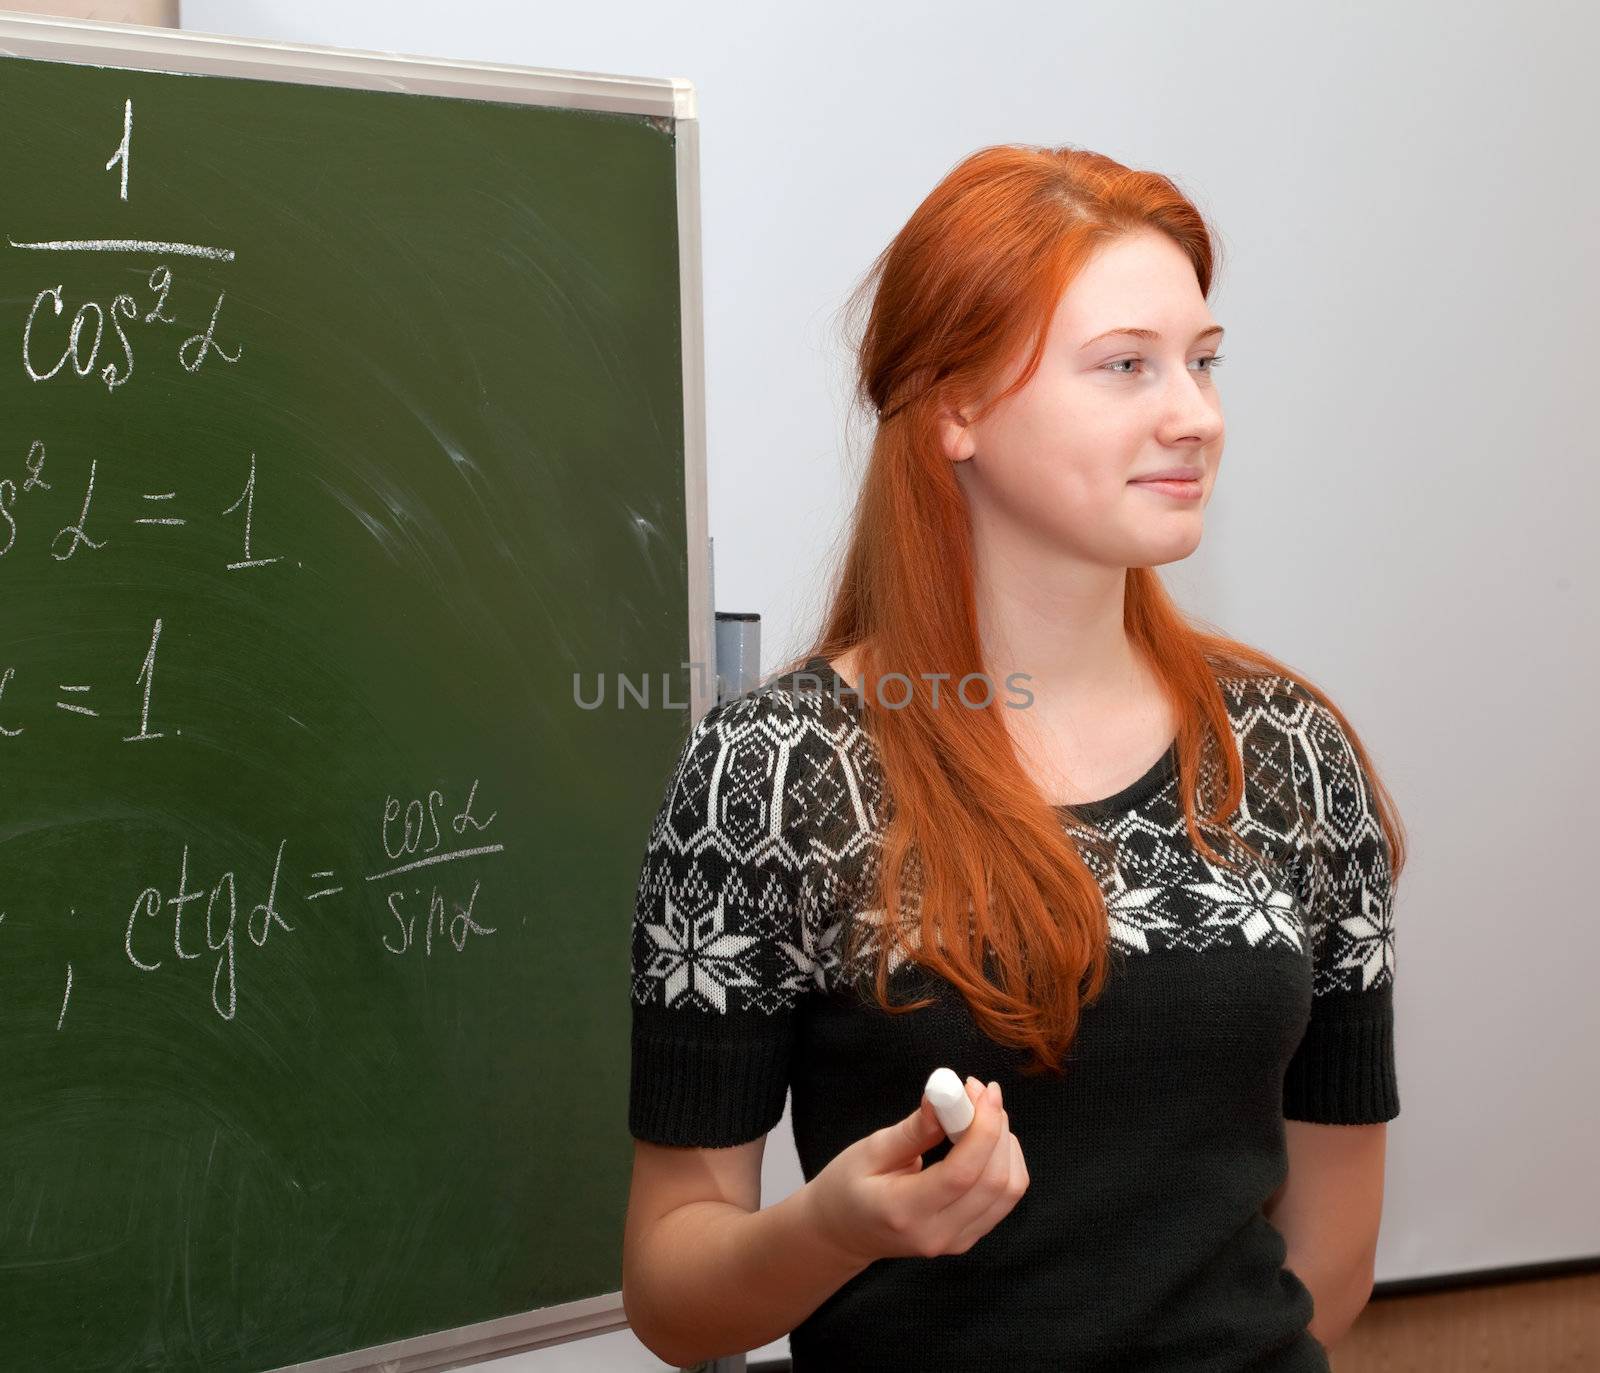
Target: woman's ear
955,435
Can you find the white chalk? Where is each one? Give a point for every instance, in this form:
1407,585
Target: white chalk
950,1102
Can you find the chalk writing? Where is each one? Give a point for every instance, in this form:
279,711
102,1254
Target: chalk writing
461,925
75,535
247,497
124,150
78,690
415,818
147,677
83,349
403,832
150,903
196,915
160,917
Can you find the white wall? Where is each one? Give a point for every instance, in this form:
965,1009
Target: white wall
1407,201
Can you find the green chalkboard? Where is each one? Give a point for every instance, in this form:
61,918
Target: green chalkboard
315,868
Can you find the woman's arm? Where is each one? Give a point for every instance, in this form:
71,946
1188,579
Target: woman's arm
1328,1211
711,1279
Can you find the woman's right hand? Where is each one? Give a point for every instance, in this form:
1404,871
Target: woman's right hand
875,1199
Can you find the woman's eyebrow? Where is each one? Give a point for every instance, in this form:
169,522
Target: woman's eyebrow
1149,334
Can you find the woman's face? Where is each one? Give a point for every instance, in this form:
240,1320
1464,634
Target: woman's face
1055,468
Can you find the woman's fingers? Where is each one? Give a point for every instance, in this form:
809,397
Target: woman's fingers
970,1190
963,1166
979,1195
1016,1184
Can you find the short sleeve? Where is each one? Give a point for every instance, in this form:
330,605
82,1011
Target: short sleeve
719,958
1343,1072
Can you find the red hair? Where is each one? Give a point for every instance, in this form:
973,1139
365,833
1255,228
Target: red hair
973,278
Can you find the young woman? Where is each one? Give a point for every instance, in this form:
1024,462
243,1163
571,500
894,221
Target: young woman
1016,814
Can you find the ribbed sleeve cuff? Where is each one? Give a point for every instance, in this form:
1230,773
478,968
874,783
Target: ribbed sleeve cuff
706,1093
1343,1073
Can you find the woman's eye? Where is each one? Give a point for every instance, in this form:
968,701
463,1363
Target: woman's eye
1213,359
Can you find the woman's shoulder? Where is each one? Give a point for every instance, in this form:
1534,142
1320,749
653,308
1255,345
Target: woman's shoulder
1287,704
808,696
1277,704
1298,747
1246,690
785,756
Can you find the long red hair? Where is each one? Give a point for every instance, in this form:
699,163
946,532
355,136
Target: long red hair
974,277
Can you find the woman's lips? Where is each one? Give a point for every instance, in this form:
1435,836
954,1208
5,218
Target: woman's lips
1183,490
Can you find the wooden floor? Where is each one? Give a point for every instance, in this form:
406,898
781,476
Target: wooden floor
1540,1325
1545,1325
